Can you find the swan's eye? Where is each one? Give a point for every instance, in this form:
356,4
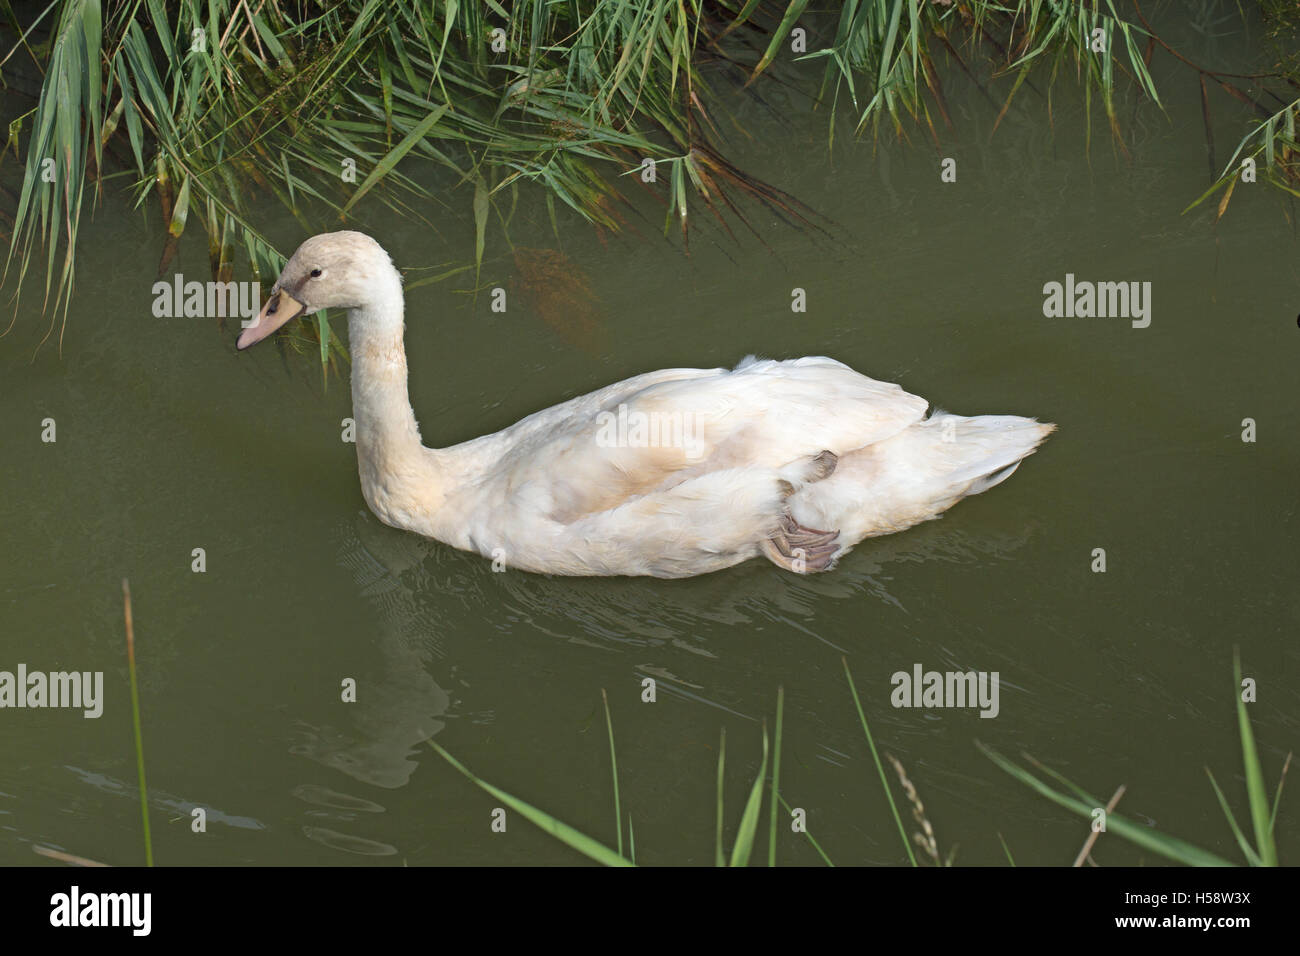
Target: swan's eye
316,273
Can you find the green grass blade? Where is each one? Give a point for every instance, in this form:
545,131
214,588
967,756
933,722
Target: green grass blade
1259,815
1007,850
808,833
135,718
181,211
718,859
480,220
1247,850
884,781
776,777
613,769
575,839
1167,846
792,13
394,156
1277,797
742,16
882,80
323,327
744,848
1217,185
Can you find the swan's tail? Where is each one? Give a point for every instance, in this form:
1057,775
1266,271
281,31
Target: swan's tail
917,474
974,454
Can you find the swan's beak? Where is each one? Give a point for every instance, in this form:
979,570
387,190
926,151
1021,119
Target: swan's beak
279,309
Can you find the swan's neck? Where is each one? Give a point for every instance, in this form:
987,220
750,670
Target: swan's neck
400,478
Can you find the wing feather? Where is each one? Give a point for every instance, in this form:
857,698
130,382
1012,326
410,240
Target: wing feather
654,431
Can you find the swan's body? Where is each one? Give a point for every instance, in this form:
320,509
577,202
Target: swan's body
672,473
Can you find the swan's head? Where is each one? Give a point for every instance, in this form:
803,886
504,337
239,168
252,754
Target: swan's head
334,270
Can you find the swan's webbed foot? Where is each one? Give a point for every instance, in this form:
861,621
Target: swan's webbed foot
799,549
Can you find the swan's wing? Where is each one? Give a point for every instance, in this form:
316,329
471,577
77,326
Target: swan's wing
658,430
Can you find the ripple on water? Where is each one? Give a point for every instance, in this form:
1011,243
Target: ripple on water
348,844
325,797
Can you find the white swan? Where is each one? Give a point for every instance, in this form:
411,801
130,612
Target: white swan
671,473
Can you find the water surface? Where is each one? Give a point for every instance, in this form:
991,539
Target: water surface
167,440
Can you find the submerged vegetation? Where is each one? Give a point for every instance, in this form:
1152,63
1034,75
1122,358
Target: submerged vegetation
219,112
1263,816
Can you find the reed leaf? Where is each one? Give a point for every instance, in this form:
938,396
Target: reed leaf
1170,847
613,769
135,720
744,846
588,847
1260,816
776,777
880,769
281,93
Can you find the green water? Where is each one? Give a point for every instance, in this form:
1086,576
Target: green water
167,441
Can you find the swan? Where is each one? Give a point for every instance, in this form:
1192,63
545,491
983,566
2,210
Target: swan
671,473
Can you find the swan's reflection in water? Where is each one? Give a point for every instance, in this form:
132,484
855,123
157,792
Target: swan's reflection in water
399,704
426,597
